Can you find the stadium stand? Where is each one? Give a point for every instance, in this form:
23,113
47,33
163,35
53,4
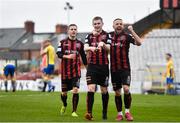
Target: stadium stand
152,53
160,19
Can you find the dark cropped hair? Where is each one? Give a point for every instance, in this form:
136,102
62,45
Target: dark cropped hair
71,25
117,19
168,54
97,18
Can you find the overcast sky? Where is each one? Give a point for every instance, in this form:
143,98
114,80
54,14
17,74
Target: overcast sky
47,13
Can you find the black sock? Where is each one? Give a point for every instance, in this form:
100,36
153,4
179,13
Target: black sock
75,101
44,87
118,101
6,85
105,100
64,99
127,100
90,101
13,85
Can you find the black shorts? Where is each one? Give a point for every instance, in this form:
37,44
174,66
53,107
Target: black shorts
68,84
98,74
99,80
102,70
119,78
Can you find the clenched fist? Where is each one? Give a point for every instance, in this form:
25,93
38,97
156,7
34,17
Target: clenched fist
130,28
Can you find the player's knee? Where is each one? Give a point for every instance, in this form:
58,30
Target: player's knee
126,89
117,93
91,88
45,78
104,90
13,80
64,93
75,90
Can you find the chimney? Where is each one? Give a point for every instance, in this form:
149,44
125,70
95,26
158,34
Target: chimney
61,28
29,26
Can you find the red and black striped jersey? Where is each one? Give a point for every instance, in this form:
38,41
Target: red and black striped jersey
71,68
119,51
98,57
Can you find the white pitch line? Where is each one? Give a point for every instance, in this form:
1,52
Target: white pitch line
30,95
3,96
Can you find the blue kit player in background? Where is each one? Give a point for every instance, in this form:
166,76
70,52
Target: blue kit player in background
9,74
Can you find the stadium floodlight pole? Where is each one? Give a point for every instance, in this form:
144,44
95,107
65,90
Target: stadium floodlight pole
68,7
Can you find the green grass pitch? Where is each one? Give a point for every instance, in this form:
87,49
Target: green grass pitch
26,106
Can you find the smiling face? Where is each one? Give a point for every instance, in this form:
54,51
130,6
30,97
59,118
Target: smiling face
118,25
72,31
97,24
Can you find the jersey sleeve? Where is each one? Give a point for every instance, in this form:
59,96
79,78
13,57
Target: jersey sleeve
87,39
131,39
60,50
109,39
83,55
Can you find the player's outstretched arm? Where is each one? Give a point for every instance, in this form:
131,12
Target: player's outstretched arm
138,40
